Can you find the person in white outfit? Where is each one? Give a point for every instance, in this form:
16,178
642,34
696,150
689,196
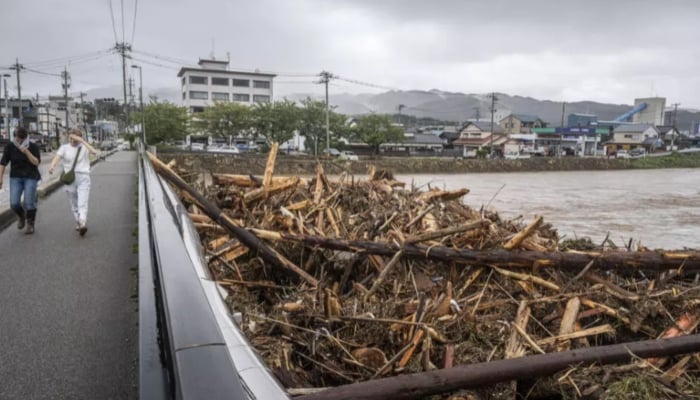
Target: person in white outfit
78,191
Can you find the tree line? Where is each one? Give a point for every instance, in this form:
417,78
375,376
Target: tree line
272,121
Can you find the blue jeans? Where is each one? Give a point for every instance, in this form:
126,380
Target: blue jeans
26,185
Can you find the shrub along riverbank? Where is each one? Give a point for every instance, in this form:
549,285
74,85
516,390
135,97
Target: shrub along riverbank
294,165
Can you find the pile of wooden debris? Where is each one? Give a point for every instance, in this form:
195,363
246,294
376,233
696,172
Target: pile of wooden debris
342,280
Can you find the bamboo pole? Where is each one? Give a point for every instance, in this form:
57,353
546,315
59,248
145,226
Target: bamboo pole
470,376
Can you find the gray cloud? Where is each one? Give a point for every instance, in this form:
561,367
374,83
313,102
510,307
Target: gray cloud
561,50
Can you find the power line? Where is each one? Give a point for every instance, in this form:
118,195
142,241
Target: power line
153,63
41,72
63,60
122,3
133,28
355,81
114,26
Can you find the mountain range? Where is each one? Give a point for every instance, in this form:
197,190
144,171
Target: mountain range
445,106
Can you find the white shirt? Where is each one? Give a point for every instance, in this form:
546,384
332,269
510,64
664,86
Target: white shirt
67,153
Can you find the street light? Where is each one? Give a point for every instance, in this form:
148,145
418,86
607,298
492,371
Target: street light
143,124
6,122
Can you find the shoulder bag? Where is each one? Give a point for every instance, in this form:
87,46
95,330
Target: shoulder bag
68,177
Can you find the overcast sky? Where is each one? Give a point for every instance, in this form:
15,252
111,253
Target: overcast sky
607,51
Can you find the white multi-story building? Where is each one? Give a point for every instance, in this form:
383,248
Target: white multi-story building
213,82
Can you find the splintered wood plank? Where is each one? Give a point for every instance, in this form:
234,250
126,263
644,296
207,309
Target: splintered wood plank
270,166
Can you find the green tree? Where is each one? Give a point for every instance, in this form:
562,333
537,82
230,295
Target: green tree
277,121
165,121
313,125
225,119
377,129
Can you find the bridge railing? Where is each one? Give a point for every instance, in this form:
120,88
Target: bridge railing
190,345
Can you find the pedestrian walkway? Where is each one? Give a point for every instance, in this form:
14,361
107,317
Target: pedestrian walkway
68,307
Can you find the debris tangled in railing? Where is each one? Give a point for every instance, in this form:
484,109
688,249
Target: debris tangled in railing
343,280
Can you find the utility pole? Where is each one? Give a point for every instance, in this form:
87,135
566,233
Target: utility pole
7,119
561,134
82,113
18,67
673,133
143,118
400,107
66,85
325,79
493,110
478,113
123,48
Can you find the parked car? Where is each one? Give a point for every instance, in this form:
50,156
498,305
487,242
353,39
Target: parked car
638,152
197,146
516,156
107,145
224,149
333,152
622,154
348,155
44,142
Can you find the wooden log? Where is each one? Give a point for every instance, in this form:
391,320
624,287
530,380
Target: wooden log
568,321
520,236
623,262
470,376
270,166
272,189
446,232
248,239
514,348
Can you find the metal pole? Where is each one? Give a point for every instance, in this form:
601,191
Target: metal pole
563,111
493,109
65,97
19,91
7,120
143,117
326,78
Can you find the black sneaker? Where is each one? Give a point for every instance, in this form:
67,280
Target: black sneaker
30,229
83,230
21,223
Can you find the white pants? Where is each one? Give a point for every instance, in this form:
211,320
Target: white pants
78,195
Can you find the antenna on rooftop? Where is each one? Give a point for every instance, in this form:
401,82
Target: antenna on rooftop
213,45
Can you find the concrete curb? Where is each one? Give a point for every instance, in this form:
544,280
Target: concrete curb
8,217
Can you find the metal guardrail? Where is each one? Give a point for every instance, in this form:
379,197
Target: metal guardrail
190,347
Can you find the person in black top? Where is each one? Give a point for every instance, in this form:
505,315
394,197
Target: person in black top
24,158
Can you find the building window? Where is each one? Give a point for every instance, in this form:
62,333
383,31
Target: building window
241,83
629,136
241,97
197,109
261,84
199,80
219,81
219,96
194,95
258,98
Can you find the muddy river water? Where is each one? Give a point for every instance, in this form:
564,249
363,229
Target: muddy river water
660,207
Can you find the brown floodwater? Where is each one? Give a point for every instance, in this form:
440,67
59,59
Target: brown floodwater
660,207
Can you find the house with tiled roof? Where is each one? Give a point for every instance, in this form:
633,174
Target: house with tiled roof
520,123
633,136
477,136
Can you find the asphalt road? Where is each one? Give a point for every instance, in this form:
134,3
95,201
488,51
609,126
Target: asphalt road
68,310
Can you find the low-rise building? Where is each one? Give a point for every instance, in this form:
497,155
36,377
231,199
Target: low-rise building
214,82
520,123
477,136
633,136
